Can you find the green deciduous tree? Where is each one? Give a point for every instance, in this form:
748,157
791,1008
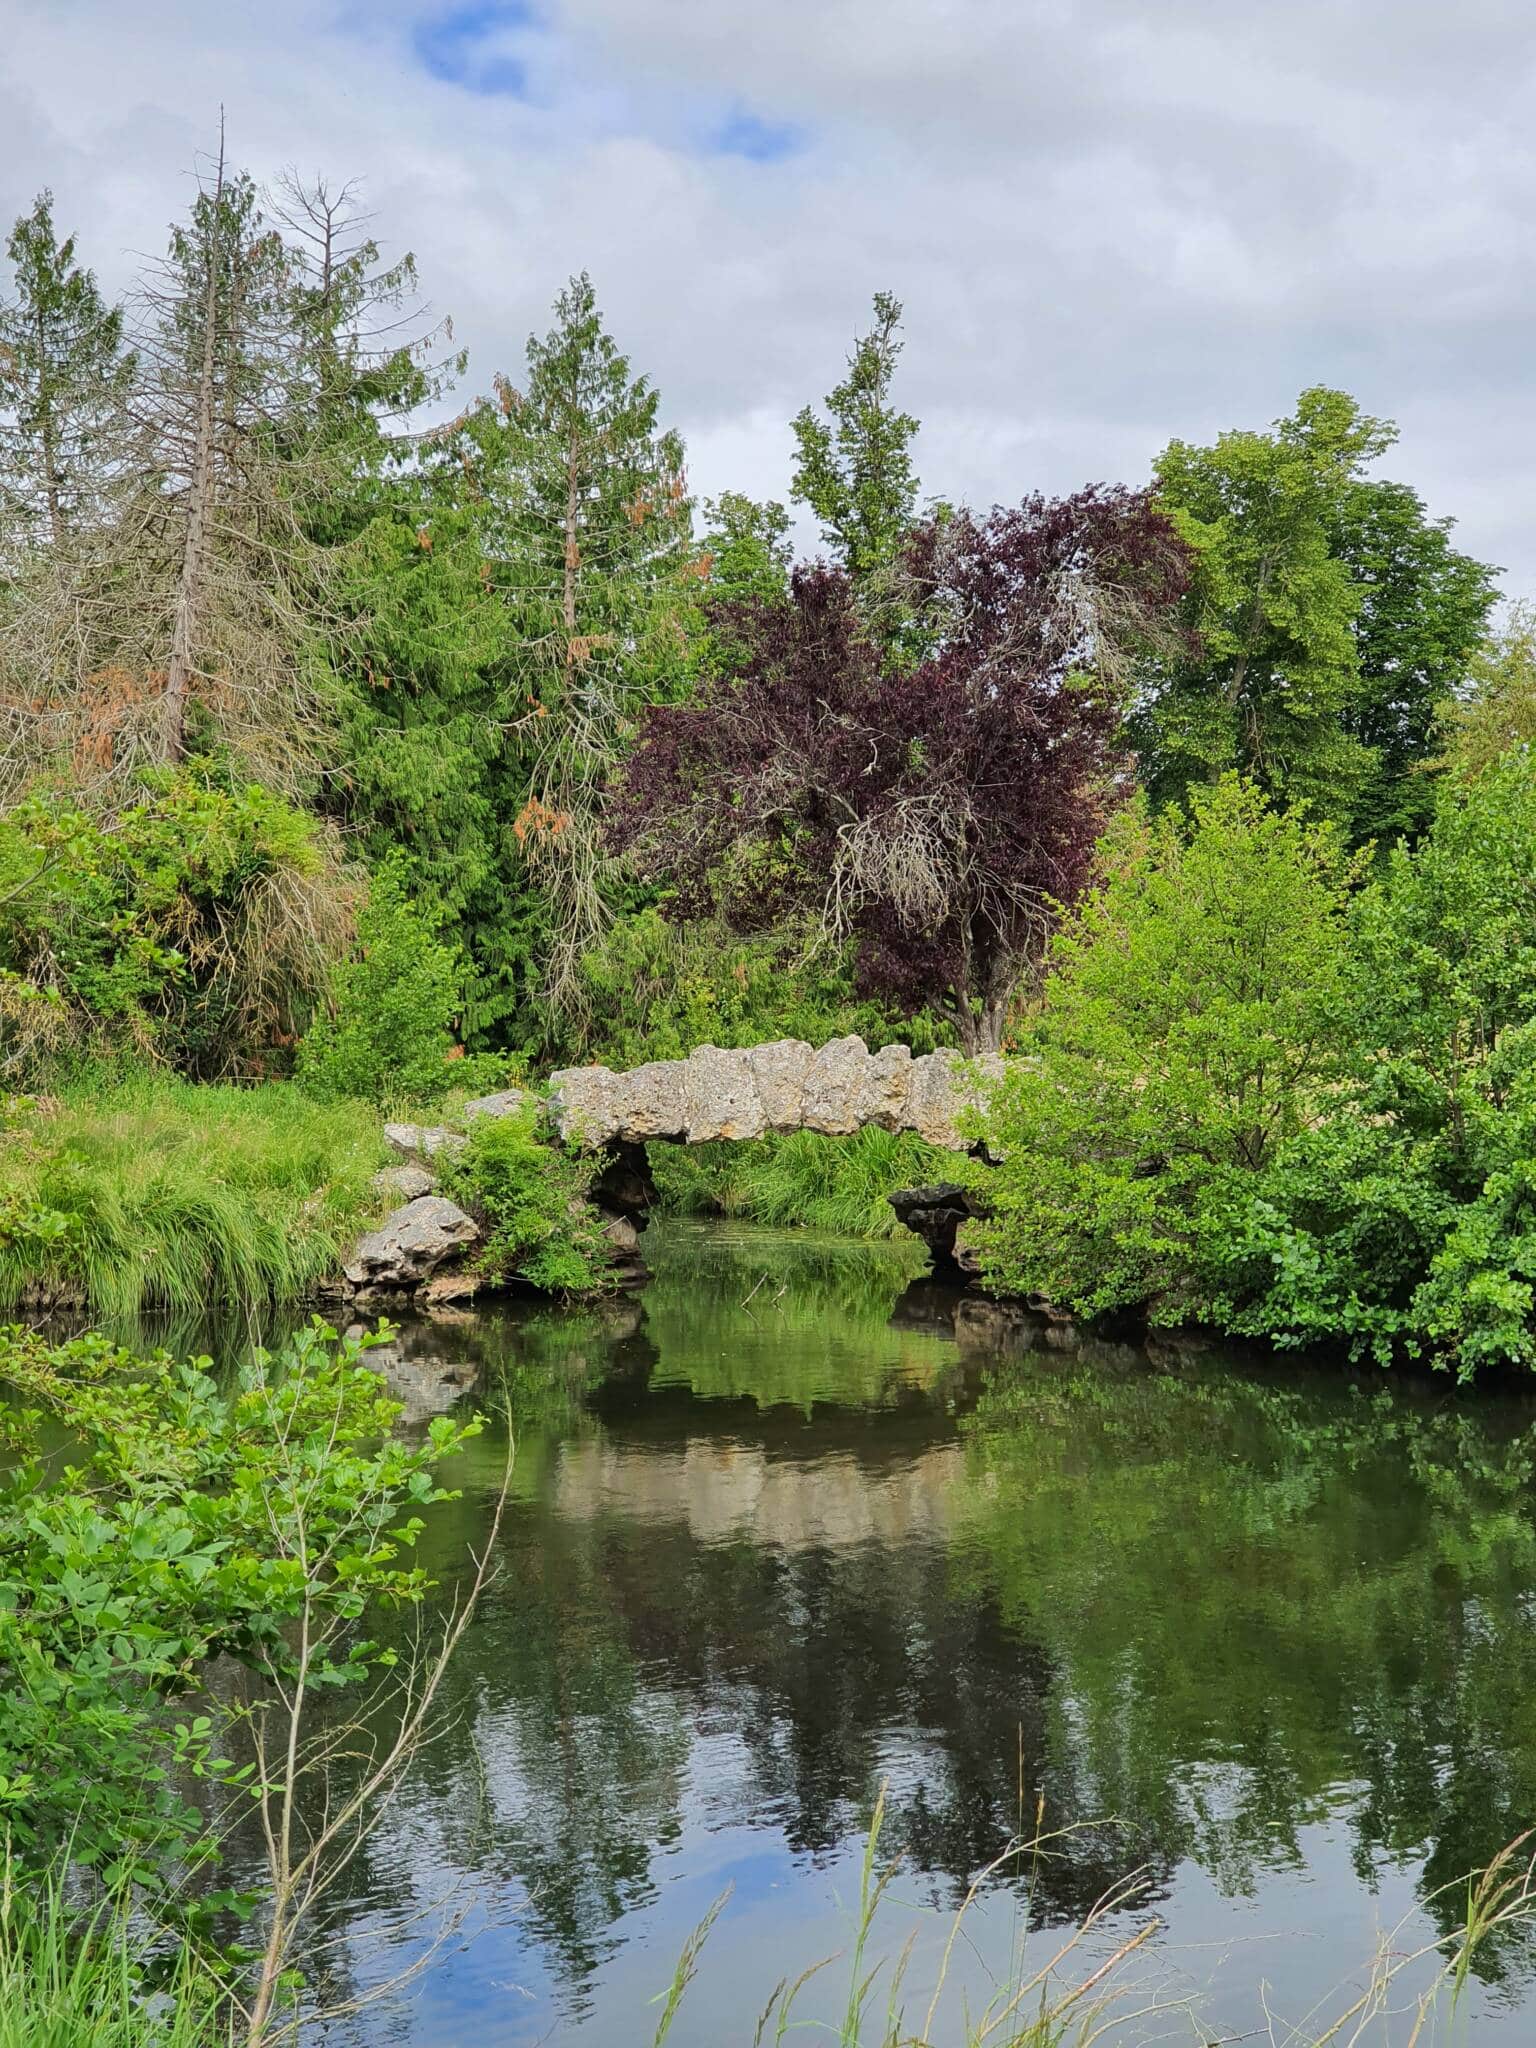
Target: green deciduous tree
1498,710
1423,612
1332,614
1193,1021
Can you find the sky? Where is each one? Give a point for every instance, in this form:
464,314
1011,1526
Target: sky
1110,221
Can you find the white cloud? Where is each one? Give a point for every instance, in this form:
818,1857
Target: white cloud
1111,220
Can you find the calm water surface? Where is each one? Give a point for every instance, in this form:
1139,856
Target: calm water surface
783,1531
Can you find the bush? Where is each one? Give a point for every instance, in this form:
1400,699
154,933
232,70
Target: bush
197,926
1194,1021
657,990
185,1522
532,1201
1408,1222
384,1034
149,1193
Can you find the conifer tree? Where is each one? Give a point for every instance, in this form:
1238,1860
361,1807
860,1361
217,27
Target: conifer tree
598,554
855,472
63,373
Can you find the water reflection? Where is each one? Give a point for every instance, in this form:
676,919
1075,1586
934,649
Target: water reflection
779,1534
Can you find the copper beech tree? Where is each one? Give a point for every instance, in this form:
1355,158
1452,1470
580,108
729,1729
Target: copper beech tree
933,801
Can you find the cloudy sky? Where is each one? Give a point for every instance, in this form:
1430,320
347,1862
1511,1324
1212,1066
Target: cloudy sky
1111,221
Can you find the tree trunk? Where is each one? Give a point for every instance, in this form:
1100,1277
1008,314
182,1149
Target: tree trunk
572,557
49,441
989,1031
189,588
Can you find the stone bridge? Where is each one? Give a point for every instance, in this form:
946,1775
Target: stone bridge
786,1086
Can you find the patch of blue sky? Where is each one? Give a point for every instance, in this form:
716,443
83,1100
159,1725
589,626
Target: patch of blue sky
474,46
748,135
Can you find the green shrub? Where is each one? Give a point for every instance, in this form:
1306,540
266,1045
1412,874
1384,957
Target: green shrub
841,1185
1194,1019
659,989
149,1193
196,926
384,1033
531,1200
1407,1221
186,1522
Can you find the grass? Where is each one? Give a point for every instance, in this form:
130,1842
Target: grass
149,1194
1092,1983
840,1185
69,1980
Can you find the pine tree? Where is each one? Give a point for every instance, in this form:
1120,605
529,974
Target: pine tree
63,374
598,552
855,473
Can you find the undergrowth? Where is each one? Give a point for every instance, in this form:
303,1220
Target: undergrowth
842,1185
149,1193
531,1200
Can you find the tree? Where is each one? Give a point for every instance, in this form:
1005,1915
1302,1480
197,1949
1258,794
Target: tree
934,813
855,473
1331,615
1499,711
188,623
63,374
596,546
1423,614
1194,1015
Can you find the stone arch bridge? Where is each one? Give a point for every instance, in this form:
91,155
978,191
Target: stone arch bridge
835,1089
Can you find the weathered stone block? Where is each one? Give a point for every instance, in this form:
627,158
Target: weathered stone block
405,1181
778,1073
582,1107
508,1102
425,1141
834,1082
411,1244
934,1101
649,1101
720,1096
884,1091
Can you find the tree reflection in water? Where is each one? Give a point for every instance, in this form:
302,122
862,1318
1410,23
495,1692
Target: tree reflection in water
765,1557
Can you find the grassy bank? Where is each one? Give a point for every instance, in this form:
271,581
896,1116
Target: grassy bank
149,1193
833,1184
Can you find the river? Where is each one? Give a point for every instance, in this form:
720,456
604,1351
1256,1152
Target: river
795,1525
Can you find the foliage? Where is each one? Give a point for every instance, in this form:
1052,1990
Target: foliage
658,989
1301,1120
856,473
195,925
531,1200
933,813
383,1036
147,1194
839,1185
1193,1020
1329,614
1408,1223
1498,711
1423,611
63,371
76,1978
151,1522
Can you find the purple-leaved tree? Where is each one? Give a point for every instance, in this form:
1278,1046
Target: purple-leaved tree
931,801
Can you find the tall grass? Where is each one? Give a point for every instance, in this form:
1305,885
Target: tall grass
150,1193
841,1185
69,1980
